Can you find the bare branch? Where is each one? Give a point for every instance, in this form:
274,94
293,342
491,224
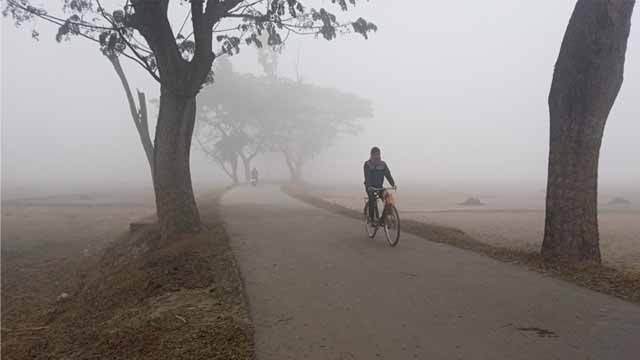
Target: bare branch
186,18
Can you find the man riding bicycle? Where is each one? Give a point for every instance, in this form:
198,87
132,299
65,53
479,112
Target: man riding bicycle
375,171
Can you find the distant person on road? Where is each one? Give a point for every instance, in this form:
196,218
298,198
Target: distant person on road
254,174
375,171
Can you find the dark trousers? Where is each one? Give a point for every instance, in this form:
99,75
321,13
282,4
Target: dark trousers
373,207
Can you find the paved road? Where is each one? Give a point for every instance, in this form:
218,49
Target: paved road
319,289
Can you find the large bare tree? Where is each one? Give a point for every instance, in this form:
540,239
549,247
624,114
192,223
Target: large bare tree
181,63
587,78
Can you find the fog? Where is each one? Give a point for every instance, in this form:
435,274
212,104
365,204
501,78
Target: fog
459,91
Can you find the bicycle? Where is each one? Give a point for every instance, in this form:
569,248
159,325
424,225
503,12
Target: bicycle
390,219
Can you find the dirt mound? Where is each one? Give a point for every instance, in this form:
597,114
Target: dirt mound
472,201
619,201
142,299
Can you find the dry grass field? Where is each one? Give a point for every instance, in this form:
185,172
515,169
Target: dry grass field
76,283
509,217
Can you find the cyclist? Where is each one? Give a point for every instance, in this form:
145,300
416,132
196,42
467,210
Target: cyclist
254,175
375,171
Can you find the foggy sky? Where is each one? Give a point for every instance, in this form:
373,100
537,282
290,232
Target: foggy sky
459,90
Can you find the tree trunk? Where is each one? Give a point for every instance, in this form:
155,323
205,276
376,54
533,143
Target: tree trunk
234,171
181,80
290,165
222,164
296,175
587,77
139,116
246,162
143,131
177,210
232,174
295,167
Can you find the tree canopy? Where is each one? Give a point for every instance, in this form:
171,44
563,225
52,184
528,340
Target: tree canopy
140,29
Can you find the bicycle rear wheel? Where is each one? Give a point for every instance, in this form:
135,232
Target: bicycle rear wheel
392,225
369,228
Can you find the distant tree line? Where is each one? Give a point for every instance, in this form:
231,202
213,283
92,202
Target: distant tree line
248,115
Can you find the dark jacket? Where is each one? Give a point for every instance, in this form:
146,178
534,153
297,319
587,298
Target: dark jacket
375,173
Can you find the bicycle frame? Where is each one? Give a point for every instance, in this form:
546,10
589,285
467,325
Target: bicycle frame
385,196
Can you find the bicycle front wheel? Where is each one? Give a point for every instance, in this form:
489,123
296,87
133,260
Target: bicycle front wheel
392,225
369,228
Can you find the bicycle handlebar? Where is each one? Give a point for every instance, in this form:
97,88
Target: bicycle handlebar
382,188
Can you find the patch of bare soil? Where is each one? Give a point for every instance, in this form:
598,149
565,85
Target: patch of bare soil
136,299
624,284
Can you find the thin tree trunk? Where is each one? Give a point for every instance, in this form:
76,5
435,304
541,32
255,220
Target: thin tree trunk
221,162
224,168
140,119
246,162
234,171
294,166
290,165
298,163
587,77
233,174
297,175
177,210
248,159
143,131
